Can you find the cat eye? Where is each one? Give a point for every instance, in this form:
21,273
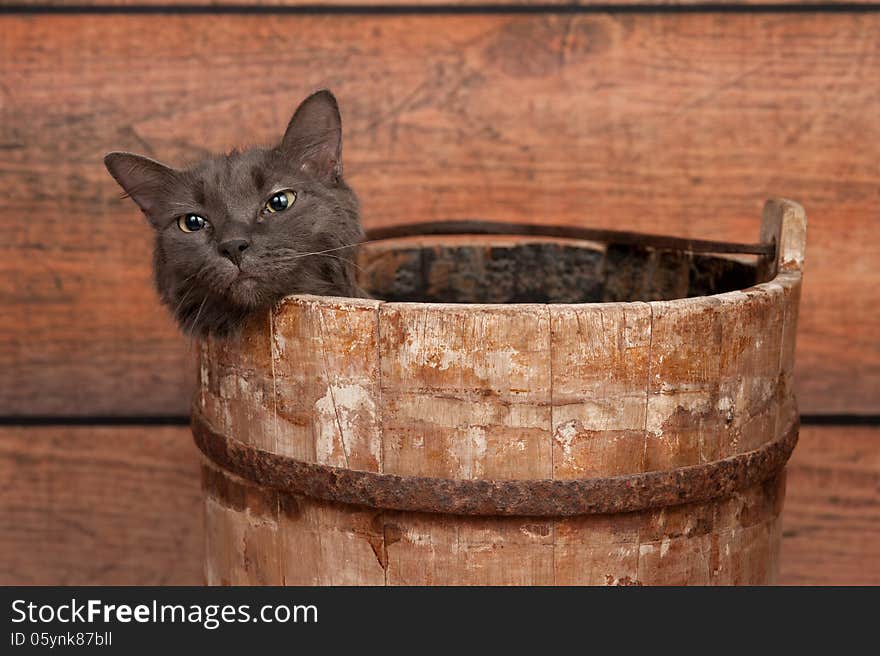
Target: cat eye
191,222
280,201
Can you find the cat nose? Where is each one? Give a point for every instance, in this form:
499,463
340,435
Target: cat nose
233,249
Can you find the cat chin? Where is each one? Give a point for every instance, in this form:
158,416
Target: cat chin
246,293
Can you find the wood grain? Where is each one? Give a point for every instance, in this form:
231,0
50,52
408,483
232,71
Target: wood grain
599,366
680,124
129,499
466,390
249,540
99,506
325,360
831,520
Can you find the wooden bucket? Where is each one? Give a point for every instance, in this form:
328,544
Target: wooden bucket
561,412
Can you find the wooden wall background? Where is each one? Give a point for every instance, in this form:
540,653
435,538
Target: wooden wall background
676,117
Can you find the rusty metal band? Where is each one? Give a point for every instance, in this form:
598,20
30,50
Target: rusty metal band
567,232
540,498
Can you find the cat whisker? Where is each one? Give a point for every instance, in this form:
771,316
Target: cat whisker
324,254
198,271
190,328
181,303
188,291
330,250
182,300
351,262
195,322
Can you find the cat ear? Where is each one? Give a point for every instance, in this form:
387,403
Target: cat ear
146,181
314,136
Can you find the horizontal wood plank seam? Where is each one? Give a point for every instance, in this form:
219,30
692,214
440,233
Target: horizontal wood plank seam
95,421
378,9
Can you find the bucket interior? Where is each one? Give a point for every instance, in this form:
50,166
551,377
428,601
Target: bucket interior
479,269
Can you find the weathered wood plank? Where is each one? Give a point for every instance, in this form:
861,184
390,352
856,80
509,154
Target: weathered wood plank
99,506
831,521
233,391
753,403
330,544
599,365
455,117
684,383
457,381
682,543
426,549
241,548
325,369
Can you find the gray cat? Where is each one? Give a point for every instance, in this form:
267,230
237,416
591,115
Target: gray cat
238,232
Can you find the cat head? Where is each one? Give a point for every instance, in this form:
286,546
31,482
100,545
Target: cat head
238,232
